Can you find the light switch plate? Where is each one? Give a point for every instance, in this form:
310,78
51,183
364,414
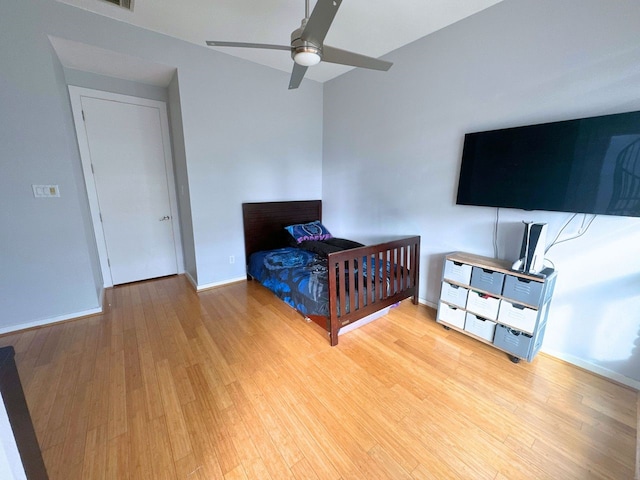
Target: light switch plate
46,191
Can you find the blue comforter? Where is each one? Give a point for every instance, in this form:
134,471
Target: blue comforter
299,277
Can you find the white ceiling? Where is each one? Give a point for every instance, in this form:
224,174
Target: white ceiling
369,27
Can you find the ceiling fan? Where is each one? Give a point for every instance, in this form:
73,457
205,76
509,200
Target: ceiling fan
307,44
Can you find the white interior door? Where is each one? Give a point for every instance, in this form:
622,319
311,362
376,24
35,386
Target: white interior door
130,165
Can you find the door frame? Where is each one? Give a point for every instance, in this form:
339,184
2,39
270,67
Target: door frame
76,94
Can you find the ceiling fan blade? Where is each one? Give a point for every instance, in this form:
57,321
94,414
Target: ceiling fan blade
343,57
297,75
320,20
213,43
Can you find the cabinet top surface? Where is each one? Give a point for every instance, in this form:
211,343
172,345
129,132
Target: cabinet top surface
496,264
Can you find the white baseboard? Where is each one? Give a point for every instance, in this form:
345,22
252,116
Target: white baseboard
207,286
192,281
422,301
49,321
597,369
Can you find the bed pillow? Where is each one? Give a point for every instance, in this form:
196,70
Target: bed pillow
308,231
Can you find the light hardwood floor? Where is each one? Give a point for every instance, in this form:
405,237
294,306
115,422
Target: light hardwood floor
232,384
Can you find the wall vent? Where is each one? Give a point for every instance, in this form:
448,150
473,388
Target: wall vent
128,4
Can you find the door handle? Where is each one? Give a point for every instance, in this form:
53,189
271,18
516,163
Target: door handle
166,217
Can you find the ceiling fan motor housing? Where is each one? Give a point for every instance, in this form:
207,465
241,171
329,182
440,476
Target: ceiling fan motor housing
298,45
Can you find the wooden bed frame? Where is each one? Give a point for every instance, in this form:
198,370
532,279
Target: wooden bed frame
264,230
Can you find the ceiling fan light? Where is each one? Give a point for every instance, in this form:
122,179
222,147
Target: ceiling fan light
307,58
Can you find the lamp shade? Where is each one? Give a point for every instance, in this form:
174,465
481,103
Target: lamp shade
307,58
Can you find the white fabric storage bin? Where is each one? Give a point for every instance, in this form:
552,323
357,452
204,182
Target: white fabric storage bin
480,327
483,305
451,315
517,316
454,294
457,272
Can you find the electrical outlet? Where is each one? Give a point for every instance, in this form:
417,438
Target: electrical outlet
232,259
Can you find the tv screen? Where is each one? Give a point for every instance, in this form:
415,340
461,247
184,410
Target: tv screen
588,165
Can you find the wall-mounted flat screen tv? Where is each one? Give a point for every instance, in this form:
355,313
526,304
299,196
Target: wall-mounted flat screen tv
589,165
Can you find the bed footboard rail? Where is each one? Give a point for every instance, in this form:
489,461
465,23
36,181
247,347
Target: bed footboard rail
370,278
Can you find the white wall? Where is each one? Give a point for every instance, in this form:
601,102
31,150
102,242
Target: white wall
246,138
182,180
47,261
393,143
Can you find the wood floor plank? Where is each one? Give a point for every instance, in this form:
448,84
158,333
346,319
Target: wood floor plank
117,401
386,465
207,432
553,465
286,449
140,458
341,406
302,470
118,457
76,431
285,406
40,393
99,411
435,471
202,443
162,463
251,430
189,468
440,430
176,426
153,400
52,458
95,454
381,424
237,473
64,398
231,383
133,375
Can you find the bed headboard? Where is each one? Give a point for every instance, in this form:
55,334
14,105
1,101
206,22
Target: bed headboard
264,222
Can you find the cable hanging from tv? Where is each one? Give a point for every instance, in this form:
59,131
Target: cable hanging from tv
581,231
584,227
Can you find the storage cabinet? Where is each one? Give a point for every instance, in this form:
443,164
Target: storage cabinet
482,297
